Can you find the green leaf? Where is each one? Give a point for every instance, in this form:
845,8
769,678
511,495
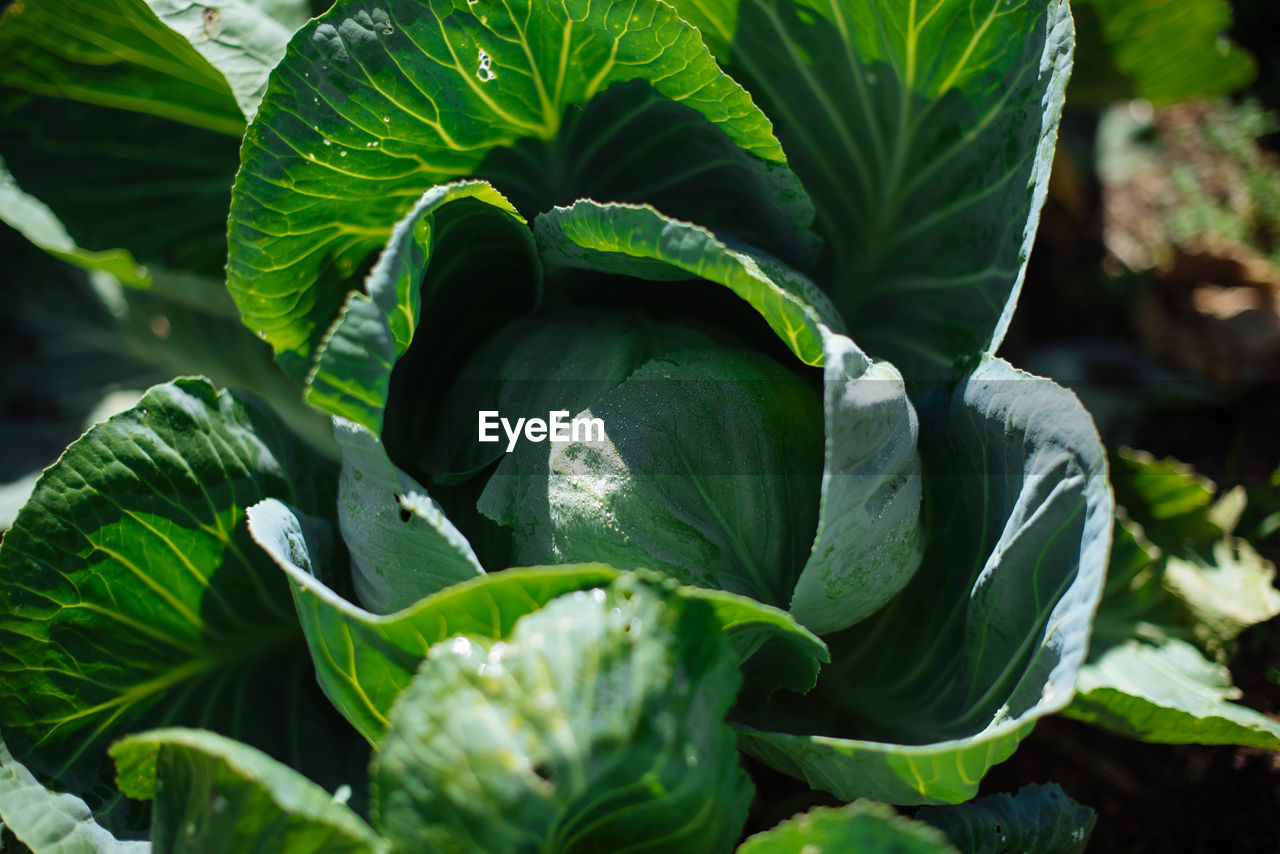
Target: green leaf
364,660
354,128
351,377
1144,678
868,538
636,240
1159,688
1125,51
115,53
133,595
1038,818
85,90
1172,502
990,633
598,725
925,134
861,826
896,773
49,823
402,545
243,42
213,794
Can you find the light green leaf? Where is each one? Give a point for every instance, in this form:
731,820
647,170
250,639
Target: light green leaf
862,826
1144,677
214,795
925,134
868,538
402,545
598,725
1125,51
114,53
636,240
240,40
942,772
1226,591
133,596
364,660
1156,687
49,823
354,129
990,633
351,377
1038,819
108,79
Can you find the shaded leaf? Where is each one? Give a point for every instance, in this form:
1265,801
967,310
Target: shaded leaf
352,374
117,54
242,41
402,545
33,219
1038,819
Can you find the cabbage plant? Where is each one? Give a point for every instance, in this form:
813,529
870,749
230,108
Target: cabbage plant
761,251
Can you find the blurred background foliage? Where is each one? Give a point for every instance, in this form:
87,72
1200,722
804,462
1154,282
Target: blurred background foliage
1154,293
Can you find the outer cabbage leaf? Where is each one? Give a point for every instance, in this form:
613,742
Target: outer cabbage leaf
218,796
49,823
87,88
237,37
1037,818
352,375
861,826
990,634
925,134
133,596
598,725
1124,51
115,54
868,540
374,102
402,545
364,660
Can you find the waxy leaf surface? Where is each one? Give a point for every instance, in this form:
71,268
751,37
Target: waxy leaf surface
924,133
